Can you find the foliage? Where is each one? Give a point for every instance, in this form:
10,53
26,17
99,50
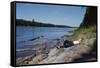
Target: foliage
90,17
21,22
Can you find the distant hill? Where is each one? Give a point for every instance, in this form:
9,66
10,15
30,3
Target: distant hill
22,22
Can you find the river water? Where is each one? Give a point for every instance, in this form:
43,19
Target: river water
25,34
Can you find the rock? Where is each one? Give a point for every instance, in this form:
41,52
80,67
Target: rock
38,58
68,54
61,55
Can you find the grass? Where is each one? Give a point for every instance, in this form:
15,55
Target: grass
88,33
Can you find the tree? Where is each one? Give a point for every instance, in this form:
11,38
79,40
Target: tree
90,17
33,20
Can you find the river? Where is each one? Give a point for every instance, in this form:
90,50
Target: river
24,34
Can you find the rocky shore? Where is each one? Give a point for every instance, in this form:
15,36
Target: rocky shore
44,55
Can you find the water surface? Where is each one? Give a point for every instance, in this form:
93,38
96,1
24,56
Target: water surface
24,34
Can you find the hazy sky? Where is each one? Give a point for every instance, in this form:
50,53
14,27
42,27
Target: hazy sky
55,14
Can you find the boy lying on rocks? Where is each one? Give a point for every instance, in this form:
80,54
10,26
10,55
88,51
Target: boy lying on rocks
68,43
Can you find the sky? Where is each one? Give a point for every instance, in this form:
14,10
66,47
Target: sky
53,14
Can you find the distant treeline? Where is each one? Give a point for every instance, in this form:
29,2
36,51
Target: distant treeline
22,22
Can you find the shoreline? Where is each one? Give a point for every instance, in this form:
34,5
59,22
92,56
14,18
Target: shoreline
71,54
